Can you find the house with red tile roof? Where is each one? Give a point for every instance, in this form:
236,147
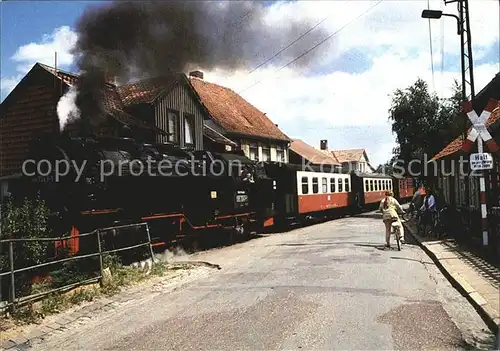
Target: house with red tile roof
234,117
305,154
353,160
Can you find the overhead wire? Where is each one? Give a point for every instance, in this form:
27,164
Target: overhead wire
430,46
442,55
317,45
291,43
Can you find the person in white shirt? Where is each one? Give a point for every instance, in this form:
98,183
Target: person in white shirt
428,208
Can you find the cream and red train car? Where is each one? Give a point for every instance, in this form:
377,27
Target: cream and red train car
316,191
369,188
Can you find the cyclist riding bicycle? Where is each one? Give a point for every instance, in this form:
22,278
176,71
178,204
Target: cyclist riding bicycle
390,208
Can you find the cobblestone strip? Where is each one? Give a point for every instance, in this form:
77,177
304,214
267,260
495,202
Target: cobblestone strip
486,311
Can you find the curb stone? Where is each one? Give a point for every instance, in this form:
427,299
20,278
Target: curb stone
480,304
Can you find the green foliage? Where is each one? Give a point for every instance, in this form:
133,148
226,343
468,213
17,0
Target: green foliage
26,221
423,123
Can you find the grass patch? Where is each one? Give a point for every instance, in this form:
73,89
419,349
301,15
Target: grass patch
122,276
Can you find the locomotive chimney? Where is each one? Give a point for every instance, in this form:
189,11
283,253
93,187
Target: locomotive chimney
324,144
196,74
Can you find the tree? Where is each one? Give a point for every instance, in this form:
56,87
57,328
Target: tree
423,123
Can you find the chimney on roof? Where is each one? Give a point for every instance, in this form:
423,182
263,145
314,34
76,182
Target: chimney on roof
323,144
197,74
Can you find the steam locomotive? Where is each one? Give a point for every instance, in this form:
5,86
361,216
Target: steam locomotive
91,183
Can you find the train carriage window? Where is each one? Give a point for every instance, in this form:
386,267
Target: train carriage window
315,185
305,185
367,186
371,184
379,184
332,185
375,185
390,184
346,184
340,185
324,185
386,186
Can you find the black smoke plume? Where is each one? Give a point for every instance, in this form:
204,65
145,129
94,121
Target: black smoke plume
131,40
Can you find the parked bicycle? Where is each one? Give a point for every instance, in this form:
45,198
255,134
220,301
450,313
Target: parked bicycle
434,224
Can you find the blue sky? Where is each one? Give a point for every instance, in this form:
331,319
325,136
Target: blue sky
344,94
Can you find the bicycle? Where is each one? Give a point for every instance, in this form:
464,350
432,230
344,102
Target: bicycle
409,213
396,231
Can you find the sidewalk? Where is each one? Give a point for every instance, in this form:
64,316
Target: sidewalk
475,278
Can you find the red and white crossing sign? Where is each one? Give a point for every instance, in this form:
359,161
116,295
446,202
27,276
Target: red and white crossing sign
479,129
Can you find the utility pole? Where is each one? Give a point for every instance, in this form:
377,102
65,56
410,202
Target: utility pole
468,93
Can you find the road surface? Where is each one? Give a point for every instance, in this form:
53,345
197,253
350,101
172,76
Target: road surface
327,286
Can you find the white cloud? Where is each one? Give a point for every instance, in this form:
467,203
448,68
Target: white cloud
61,40
392,36
334,100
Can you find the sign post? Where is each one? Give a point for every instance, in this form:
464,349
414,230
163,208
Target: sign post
481,161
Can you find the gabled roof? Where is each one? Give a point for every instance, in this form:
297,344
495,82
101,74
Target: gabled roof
233,113
351,155
456,145
312,154
112,102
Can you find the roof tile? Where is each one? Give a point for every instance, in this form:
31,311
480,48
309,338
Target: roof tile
233,113
352,155
146,90
312,154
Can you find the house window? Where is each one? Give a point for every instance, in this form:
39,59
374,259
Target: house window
315,185
340,185
324,186
346,184
173,126
332,185
266,153
280,153
305,185
188,129
254,152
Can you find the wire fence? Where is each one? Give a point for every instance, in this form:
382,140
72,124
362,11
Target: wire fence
14,301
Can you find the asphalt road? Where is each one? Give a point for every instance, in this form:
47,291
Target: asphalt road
327,286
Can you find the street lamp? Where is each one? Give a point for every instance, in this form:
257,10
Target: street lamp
436,14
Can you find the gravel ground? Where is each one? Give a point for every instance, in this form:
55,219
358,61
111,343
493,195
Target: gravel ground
327,286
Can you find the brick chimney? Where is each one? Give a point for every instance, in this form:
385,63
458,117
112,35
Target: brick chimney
323,144
197,74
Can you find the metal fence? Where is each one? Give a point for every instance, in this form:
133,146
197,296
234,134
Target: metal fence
14,302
